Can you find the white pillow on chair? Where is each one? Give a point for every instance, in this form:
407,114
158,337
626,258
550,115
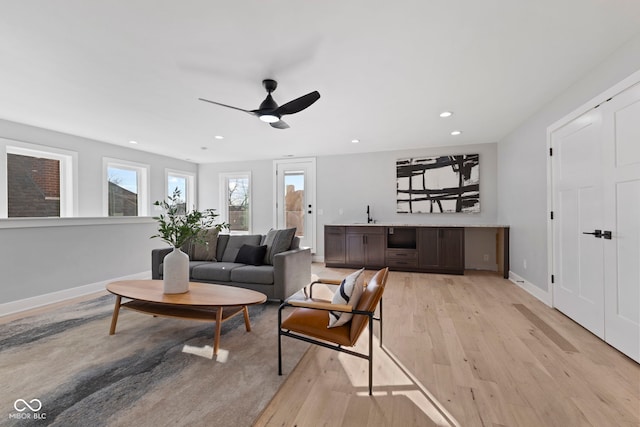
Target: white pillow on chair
349,292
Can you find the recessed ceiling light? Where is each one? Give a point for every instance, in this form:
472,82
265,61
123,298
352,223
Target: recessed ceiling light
219,137
456,132
133,142
355,141
446,114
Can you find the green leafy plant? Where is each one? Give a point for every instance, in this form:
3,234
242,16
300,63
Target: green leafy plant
176,226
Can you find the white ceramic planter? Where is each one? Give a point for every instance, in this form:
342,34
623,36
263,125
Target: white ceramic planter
175,274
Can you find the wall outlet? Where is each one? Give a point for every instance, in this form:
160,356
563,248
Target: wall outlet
524,264
486,257
340,211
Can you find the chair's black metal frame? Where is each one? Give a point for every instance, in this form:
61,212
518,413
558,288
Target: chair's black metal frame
337,347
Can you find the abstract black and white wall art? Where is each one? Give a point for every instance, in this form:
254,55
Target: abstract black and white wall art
438,184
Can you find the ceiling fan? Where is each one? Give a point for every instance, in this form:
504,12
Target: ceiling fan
269,111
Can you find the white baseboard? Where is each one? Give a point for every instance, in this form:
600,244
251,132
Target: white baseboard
540,294
317,258
59,296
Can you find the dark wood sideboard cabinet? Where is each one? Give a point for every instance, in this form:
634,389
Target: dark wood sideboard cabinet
405,248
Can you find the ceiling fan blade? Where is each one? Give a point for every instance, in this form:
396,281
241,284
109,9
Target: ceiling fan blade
298,104
228,106
279,125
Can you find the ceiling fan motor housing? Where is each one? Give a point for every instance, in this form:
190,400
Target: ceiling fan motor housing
268,104
270,85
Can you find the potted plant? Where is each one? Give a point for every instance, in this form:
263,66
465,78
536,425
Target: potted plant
176,226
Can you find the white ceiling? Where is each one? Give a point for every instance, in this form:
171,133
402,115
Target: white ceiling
127,70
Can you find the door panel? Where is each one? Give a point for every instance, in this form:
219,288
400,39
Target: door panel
429,248
578,257
375,247
622,217
355,249
452,248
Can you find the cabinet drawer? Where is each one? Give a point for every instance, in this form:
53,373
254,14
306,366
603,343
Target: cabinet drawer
402,254
333,229
402,263
370,229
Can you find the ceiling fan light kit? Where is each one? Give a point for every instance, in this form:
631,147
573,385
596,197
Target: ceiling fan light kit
269,118
269,111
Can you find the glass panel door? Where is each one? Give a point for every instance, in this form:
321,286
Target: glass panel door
295,202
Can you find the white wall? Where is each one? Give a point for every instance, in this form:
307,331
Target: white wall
523,161
349,183
49,255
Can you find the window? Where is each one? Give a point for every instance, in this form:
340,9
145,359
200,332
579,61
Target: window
39,183
126,192
185,183
235,193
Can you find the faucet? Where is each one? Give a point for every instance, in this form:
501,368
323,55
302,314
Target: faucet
369,219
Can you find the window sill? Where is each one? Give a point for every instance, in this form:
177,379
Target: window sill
72,221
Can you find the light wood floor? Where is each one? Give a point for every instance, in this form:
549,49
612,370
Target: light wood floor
472,350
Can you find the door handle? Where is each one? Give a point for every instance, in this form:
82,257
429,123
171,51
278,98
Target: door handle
606,234
597,234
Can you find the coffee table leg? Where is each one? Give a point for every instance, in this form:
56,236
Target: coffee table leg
247,324
114,318
216,338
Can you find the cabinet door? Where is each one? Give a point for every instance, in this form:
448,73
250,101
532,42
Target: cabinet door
451,248
428,248
334,245
374,250
355,249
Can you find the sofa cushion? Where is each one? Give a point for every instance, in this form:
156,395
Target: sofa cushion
252,255
205,249
214,271
277,241
260,274
223,239
235,243
192,264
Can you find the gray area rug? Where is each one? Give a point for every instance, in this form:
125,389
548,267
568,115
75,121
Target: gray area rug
152,372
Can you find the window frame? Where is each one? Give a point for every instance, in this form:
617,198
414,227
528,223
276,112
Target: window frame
68,171
142,181
191,201
224,198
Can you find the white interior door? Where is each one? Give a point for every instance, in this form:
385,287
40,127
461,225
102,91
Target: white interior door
295,198
622,217
578,209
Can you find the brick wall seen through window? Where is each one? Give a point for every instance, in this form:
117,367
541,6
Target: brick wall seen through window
33,186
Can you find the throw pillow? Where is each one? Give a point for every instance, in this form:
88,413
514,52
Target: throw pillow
249,254
235,242
349,292
277,241
204,250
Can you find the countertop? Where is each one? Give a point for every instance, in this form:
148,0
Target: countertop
389,224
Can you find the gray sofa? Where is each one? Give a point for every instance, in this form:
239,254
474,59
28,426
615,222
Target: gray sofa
281,275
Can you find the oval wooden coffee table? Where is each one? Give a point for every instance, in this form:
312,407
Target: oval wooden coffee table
203,301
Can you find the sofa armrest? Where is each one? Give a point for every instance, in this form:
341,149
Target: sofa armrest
157,255
291,272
